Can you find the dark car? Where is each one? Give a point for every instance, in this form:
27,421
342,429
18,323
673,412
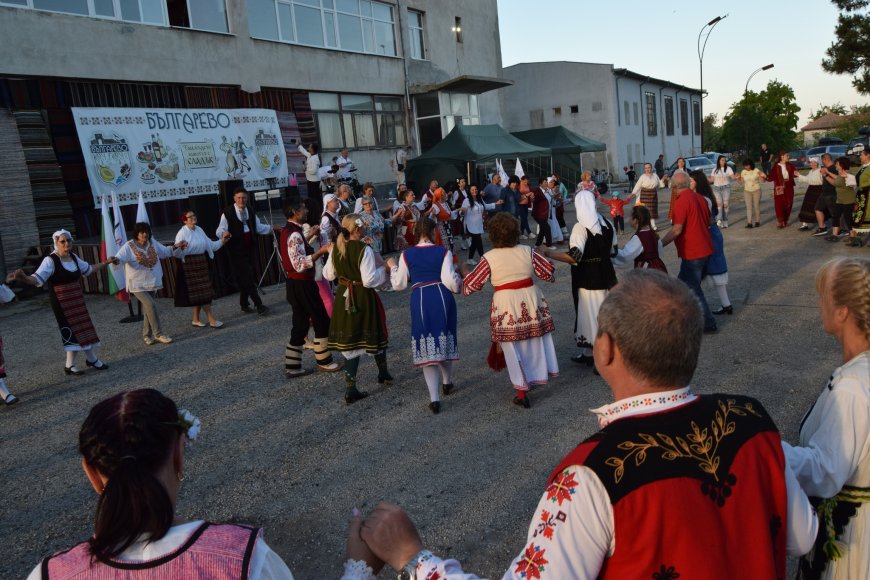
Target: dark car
834,150
798,158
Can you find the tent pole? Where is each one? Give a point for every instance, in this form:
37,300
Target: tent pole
468,173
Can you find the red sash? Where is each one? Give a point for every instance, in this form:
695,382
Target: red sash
524,283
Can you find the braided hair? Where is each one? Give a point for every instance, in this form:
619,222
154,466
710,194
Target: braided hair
128,439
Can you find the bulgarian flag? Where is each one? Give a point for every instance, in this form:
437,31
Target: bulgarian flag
109,247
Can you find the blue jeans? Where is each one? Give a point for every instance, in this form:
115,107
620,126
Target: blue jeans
524,219
691,272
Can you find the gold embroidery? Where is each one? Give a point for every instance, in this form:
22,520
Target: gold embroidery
702,445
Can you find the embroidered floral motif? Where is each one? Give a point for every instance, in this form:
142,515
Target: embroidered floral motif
666,573
701,445
427,349
609,412
548,523
562,488
148,259
532,562
522,328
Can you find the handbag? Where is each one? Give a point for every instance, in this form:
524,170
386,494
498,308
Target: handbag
779,190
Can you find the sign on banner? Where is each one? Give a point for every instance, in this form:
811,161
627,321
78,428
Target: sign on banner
177,153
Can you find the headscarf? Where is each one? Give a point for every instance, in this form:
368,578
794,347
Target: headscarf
58,234
587,215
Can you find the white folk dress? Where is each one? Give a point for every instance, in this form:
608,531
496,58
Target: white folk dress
834,453
519,318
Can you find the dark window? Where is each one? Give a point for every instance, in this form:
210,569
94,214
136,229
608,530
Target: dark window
669,115
634,106
575,109
457,29
696,112
684,116
651,120
557,111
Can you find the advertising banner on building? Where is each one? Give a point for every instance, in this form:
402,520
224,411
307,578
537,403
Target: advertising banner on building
177,153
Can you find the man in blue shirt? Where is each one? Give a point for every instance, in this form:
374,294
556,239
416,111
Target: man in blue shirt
511,196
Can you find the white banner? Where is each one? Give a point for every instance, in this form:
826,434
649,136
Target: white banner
176,153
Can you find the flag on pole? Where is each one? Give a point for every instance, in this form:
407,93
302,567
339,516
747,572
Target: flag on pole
109,248
501,173
120,235
518,170
141,214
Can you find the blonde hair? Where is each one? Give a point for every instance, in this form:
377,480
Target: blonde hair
349,223
586,176
849,287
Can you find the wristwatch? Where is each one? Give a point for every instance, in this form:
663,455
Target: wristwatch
409,572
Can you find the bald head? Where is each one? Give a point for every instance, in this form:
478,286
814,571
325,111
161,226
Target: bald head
661,345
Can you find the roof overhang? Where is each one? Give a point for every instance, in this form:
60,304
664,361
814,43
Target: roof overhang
463,84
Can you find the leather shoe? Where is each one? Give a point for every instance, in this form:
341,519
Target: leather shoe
247,309
583,359
10,399
524,402
354,396
103,366
725,310
73,371
447,388
385,379
261,309
435,406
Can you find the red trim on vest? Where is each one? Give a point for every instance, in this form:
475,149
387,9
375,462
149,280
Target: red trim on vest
292,274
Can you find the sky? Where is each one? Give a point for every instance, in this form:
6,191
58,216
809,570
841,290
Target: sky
660,39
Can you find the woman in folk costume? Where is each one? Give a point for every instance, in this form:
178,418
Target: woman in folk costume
520,322
62,271
433,310
551,192
592,274
404,218
646,190
441,214
644,248
782,175
358,325
193,283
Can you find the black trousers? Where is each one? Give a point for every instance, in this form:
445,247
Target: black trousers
544,232
475,246
314,203
619,223
246,279
308,310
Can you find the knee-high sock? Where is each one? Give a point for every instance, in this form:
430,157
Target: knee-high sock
292,358
432,374
446,369
90,355
381,361
321,353
70,358
722,289
4,392
350,367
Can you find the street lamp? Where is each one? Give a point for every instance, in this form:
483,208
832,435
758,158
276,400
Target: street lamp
701,48
746,103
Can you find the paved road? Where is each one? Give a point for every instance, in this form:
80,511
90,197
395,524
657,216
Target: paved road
289,456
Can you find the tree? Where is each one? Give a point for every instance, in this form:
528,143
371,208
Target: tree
850,53
712,133
769,116
837,108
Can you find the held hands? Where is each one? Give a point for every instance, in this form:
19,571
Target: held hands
226,237
391,535
356,548
463,269
391,263
181,245
113,261
500,202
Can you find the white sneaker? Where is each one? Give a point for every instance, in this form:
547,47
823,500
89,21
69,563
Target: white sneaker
148,340
725,224
162,339
551,247
719,223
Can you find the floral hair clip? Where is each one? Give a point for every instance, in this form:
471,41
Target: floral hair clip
189,423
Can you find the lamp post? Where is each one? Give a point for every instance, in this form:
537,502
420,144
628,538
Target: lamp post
746,103
701,48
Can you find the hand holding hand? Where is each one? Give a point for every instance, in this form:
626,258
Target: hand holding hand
181,245
391,263
500,202
463,269
227,235
356,548
113,261
391,535
314,231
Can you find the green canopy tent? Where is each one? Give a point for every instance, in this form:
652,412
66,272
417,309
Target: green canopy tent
464,145
566,146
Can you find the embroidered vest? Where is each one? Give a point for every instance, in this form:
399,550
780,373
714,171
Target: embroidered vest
215,551
697,491
292,274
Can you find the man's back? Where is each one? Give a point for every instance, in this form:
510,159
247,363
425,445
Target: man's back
690,210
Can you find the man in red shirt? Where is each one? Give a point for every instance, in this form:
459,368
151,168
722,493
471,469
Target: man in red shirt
690,232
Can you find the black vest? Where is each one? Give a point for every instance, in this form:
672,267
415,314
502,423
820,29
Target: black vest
236,245
594,271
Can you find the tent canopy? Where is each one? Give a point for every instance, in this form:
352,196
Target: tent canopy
560,140
480,143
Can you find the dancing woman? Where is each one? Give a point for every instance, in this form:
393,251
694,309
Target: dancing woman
644,247
473,208
62,272
193,283
404,218
358,325
433,309
520,322
646,190
717,267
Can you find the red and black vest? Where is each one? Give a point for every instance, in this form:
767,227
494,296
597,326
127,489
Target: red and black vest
697,491
292,274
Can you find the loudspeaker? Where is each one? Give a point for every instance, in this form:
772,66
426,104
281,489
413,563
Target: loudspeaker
208,209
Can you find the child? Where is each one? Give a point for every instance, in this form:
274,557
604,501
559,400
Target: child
644,247
616,211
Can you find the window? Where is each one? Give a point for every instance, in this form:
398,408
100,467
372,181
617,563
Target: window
208,15
637,152
669,115
596,106
415,33
696,112
575,109
457,29
354,25
557,111
636,121
684,116
627,118
358,121
628,154
144,11
536,119
652,128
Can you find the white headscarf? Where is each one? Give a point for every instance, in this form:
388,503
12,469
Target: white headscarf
58,234
587,215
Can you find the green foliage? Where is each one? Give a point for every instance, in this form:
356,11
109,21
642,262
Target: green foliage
712,133
849,129
838,108
769,116
850,52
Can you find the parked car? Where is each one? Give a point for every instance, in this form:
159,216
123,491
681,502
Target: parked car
693,163
714,157
834,150
798,158
830,141
857,145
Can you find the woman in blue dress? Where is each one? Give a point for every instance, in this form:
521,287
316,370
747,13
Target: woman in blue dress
429,268
717,267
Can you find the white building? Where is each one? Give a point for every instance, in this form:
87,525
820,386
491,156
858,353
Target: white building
372,75
637,116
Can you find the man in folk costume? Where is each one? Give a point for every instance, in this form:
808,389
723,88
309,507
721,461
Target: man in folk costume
243,224
674,485
299,260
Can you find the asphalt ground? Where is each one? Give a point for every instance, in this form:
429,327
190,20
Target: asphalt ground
291,457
